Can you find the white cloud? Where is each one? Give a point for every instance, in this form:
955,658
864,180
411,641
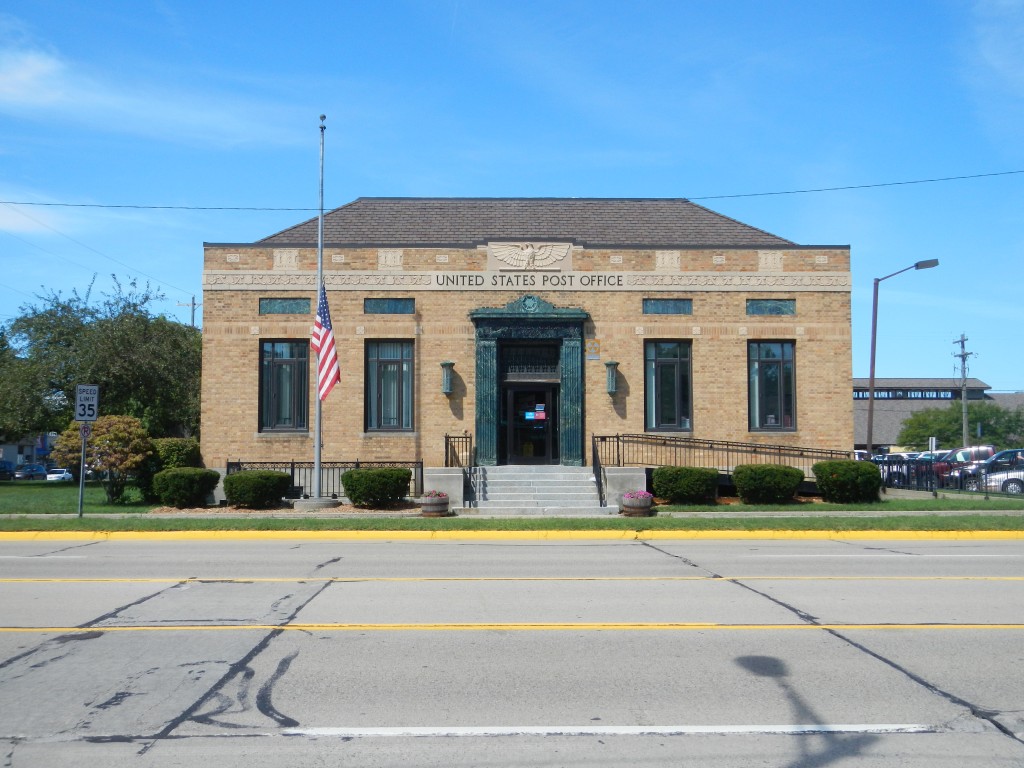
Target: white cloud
38,84
999,41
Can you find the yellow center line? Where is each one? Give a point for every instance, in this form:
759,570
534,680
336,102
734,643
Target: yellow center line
362,579
511,627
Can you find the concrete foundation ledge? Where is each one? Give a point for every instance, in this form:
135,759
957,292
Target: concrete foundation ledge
314,505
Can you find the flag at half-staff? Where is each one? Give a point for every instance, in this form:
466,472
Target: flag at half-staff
327,371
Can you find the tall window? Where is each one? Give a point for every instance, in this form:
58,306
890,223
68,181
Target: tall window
772,376
667,380
389,385
284,385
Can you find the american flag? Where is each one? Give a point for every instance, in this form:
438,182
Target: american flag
327,373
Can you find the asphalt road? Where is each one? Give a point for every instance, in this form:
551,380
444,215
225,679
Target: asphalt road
499,653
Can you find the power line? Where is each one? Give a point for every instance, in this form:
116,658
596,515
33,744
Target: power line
156,207
90,248
860,186
700,197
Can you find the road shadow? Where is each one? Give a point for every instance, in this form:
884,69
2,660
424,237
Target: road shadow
816,748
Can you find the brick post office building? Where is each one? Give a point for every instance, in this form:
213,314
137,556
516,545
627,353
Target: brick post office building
528,325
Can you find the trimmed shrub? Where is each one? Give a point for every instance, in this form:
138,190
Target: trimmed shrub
168,453
376,487
256,489
766,483
184,487
176,452
848,481
685,485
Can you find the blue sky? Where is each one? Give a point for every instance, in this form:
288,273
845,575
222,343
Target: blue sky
192,104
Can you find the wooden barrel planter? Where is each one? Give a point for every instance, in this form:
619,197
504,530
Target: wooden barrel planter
434,506
638,507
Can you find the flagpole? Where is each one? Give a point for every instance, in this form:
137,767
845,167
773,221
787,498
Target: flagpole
319,284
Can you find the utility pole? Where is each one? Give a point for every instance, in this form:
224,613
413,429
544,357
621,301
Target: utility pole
193,305
963,354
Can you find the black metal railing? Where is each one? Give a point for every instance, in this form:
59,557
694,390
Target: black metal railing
930,475
669,450
458,451
595,461
910,474
330,474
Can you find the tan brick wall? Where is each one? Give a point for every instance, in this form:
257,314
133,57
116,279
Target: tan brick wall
441,329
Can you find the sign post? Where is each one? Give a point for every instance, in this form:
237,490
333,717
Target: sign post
87,408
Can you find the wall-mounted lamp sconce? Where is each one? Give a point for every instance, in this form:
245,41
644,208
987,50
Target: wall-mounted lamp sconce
446,377
612,371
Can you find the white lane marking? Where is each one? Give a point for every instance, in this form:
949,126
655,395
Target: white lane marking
915,555
611,730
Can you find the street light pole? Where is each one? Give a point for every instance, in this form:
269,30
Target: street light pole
926,264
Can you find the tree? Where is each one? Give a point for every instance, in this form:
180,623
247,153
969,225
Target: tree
999,427
118,446
145,365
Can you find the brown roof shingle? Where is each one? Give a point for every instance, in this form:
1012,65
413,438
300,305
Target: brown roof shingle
467,222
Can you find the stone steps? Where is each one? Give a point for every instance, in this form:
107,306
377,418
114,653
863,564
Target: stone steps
535,490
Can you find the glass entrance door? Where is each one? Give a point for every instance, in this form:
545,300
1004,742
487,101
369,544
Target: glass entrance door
531,418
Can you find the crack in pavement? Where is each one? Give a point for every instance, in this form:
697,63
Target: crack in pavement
988,716
62,639
67,548
239,667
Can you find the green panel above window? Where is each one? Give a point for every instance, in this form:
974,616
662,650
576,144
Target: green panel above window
668,306
771,306
284,306
389,306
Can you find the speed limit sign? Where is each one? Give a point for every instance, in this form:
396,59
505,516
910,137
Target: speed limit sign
87,402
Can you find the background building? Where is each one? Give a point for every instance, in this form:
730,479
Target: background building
898,399
529,325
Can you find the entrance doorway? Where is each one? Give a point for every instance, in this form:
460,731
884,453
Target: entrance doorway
530,421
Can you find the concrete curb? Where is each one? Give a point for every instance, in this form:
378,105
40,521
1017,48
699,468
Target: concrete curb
553,535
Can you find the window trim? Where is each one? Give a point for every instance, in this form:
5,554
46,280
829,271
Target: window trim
781,362
771,303
650,304
374,387
264,306
389,305
300,392
682,398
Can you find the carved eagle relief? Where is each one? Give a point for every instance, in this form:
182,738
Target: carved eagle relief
527,256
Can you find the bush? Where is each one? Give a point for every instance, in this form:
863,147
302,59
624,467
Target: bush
168,453
376,487
117,448
256,489
685,485
848,482
184,487
175,452
766,483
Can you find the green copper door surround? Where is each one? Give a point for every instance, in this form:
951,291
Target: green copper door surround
529,318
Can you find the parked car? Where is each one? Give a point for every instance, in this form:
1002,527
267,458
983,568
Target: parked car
959,457
1003,473
6,470
30,472
58,474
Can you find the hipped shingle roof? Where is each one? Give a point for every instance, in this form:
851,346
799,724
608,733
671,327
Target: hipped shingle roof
468,222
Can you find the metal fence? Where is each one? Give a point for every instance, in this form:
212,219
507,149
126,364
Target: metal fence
330,474
668,450
928,475
458,451
910,474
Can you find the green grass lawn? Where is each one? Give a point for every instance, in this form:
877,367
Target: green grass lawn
38,497
961,513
